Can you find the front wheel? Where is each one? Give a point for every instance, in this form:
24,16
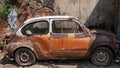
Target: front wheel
24,57
102,56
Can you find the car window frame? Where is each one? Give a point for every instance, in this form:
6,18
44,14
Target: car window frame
68,33
35,22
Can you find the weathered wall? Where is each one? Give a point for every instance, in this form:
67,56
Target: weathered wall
94,13
118,22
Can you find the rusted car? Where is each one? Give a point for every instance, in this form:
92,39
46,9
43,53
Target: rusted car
59,38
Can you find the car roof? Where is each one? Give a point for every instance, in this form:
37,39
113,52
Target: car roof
47,17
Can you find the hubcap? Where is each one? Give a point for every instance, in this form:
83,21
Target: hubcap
101,56
24,57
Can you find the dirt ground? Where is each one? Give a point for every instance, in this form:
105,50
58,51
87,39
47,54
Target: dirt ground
5,63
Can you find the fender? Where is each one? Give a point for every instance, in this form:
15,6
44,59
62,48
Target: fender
12,47
108,45
104,41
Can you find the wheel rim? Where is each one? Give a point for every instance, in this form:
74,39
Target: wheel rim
101,56
24,57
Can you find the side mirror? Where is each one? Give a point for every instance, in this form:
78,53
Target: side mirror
93,31
51,33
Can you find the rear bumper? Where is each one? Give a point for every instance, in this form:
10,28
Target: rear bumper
3,43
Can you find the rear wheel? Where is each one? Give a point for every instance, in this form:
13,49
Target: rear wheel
24,57
102,56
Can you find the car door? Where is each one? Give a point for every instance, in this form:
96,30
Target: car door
56,39
70,39
76,45
38,33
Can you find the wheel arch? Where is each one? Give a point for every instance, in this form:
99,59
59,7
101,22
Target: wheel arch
107,46
11,49
32,50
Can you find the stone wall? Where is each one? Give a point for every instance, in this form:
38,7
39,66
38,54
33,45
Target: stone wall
99,14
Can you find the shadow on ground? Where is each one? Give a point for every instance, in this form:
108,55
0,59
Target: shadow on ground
5,63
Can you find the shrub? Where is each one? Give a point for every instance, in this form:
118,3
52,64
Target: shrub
4,11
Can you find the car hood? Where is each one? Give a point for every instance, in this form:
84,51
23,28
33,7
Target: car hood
102,32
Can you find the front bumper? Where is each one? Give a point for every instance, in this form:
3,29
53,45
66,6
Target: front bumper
118,48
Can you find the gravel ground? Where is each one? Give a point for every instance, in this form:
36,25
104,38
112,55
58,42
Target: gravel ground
5,63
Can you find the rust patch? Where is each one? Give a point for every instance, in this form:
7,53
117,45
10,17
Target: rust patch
81,35
59,35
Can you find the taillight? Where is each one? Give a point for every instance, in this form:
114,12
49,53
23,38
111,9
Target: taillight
5,47
115,42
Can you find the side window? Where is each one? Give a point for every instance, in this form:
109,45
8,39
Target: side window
66,26
39,27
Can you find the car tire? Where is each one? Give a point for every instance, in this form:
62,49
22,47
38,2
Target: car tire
24,57
102,56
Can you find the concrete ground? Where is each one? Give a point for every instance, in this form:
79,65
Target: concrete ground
5,63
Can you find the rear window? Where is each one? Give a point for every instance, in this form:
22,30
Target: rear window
39,27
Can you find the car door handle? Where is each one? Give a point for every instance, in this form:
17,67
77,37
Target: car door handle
63,49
